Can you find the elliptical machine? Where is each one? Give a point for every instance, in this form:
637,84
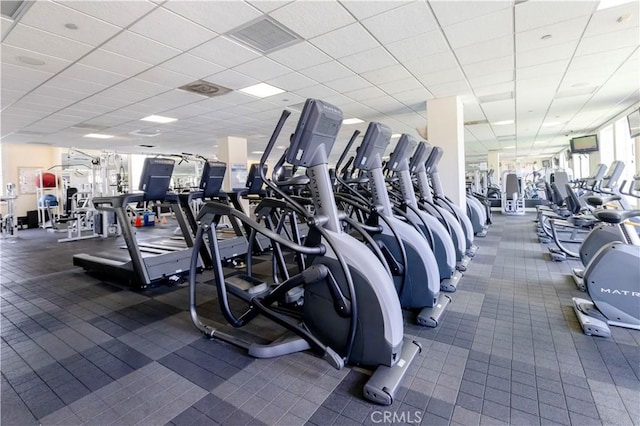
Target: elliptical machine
350,312
612,279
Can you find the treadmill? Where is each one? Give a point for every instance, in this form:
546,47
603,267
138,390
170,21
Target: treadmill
138,267
210,189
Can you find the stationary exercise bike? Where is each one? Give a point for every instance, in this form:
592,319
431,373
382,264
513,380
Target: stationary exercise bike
612,279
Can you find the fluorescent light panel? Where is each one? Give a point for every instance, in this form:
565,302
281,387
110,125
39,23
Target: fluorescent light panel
396,135
262,90
606,4
352,121
502,123
97,136
159,119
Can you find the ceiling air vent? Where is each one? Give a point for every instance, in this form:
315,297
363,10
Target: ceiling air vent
147,146
205,88
264,35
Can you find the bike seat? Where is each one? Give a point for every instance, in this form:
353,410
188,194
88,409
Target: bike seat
616,216
596,200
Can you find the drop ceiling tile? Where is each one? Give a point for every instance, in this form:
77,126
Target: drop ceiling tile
386,105
186,111
535,14
338,100
414,97
165,77
449,13
292,81
114,62
224,52
486,50
55,92
141,48
102,104
364,94
451,88
52,17
548,54
10,54
232,79
267,6
491,79
478,69
431,64
68,83
173,99
92,74
21,84
624,38
218,16
368,60
398,86
319,91
191,65
496,89
400,23
560,33
606,20
472,112
112,12
123,95
326,72
284,100
334,45
419,46
30,38
348,83
499,110
365,9
387,74
549,69
300,56
236,98
262,69
184,34
440,77
312,18
141,86
488,27
5,25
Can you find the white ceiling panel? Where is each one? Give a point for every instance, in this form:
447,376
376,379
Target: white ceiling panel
67,83
132,45
172,99
334,45
560,33
554,53
482,132
20,84
224,52
472,111
292,81
55,92
606,20
492,79
451,88
436,62
92,74
364,94
327,72
363,9
419,46
112,11
267,6
440,77
53,18
348,83
414,98
400,23
533,14
319,91
30,38
610,59
313,18
479,69
113,62
191,65
218,16
300,56
486,50
127,96
387,74
401,85
483,28
184,34
499,110
448,12
232,79
629,37
165,77
10,55
496,89
543,70
262,69
5,25
368,60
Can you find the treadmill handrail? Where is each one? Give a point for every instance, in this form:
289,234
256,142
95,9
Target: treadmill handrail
212,209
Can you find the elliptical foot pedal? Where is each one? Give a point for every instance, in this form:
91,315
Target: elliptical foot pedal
586,313
578,277
482,233
286,344
472,250
462,265
382,386
430,317
557,255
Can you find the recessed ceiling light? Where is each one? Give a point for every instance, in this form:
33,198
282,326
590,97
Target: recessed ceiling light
262,90
159,119
257,152
71,26
509,147
97,136
30,61
396,135
546,37
352,121
502,123
606,4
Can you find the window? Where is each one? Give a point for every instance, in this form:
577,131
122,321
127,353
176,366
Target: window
624,148
607,149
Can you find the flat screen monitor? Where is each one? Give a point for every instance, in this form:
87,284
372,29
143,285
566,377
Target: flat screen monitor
633,120
318,125
420,156
434,157
584,144
546,164
212,177
254,180
406,145
156,177
374,143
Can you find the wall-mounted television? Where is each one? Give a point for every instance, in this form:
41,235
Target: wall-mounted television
633,120
584,144
546,164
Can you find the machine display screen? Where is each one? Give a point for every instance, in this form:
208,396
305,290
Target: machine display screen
633,120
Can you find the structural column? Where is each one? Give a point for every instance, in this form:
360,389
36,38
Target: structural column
445,128
493,162
233,151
